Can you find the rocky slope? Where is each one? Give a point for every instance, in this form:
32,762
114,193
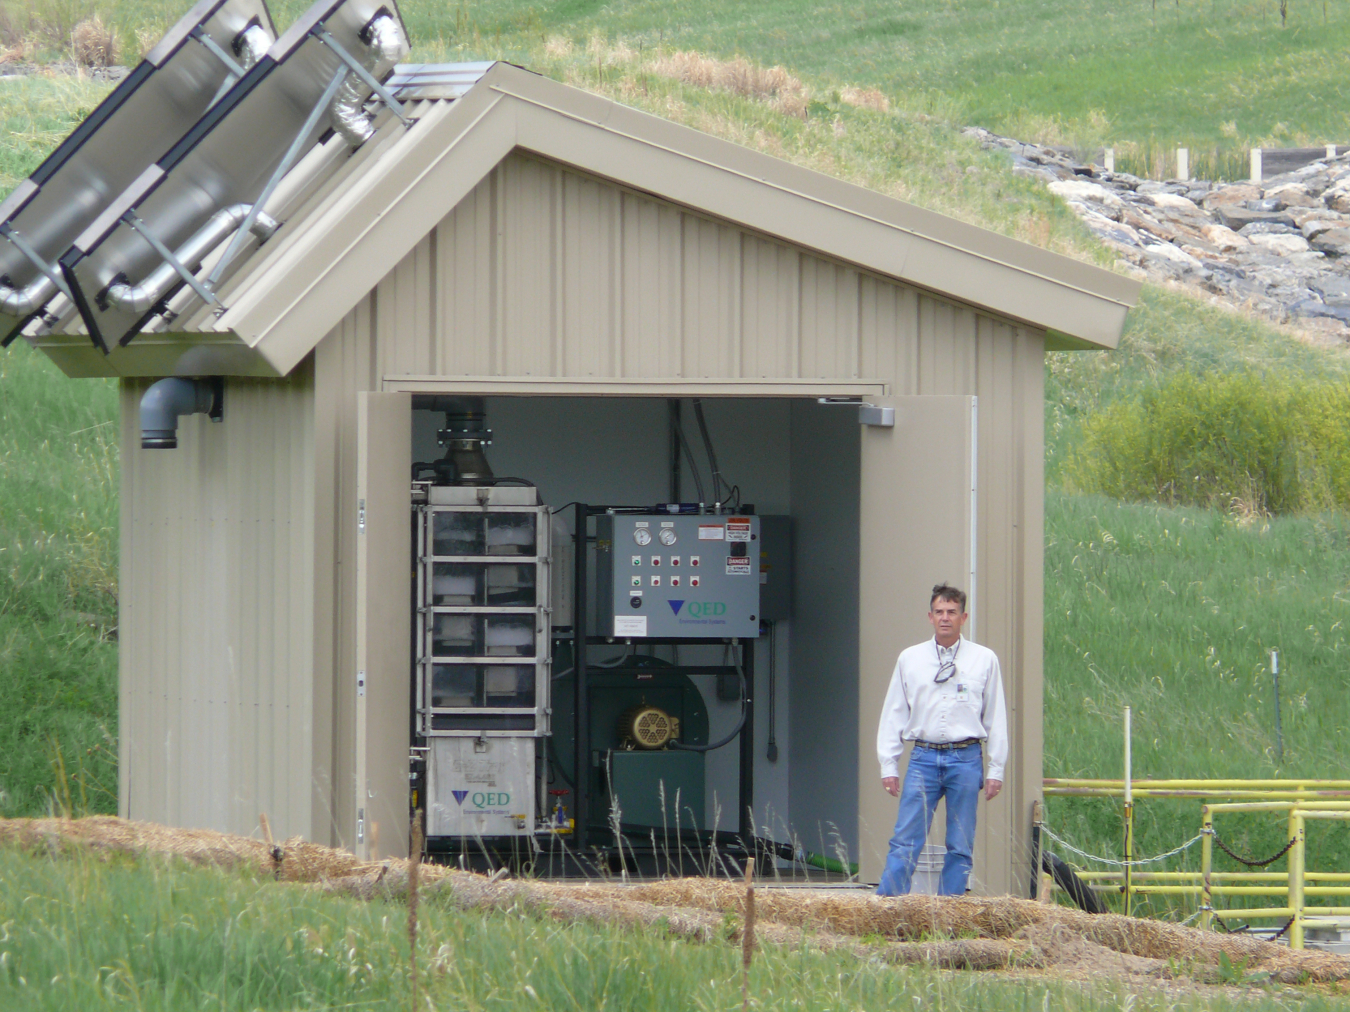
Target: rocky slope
1281,249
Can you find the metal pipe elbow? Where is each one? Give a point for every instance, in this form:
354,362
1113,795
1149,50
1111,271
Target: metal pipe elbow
29,299
347,113
251,45
142,298
164,401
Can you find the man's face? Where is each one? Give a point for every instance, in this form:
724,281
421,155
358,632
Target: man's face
947,618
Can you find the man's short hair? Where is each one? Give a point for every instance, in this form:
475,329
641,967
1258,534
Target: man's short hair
946,592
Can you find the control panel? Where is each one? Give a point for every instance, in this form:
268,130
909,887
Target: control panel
685,576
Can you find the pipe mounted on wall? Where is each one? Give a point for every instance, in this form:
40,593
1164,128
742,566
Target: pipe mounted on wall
166,400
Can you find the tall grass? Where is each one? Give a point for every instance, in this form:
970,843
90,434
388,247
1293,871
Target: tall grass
58,588
152,935
1174,611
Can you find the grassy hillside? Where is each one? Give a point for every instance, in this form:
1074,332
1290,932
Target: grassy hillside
1144,76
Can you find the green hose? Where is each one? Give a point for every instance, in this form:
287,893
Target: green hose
830,864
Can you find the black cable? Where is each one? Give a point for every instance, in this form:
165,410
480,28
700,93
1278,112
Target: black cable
735,731
718,480
689,454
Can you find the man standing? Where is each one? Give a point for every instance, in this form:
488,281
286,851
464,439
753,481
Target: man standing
946,698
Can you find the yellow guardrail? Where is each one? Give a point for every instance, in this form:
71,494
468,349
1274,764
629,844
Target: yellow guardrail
1300,800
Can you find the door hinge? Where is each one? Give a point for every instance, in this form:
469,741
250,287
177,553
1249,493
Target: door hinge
360,516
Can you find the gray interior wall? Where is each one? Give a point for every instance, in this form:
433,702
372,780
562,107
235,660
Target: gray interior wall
823,720
616,451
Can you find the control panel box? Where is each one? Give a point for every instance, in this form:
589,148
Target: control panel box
690,576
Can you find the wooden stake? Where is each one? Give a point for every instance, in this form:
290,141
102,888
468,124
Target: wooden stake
414,865
748,933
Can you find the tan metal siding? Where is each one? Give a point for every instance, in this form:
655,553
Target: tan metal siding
541,271
216,613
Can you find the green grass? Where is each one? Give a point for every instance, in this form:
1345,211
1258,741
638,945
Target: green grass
58,588
1173,612
150,934
1199,74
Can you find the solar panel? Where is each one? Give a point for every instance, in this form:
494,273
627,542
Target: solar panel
143,117
174,213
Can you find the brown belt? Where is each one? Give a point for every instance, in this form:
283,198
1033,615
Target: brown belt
963,743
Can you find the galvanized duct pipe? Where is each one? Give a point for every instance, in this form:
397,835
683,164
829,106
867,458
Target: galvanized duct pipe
140,298
251,45
29,299
167,399
347,113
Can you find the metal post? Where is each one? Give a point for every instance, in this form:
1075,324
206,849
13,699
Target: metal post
747,792
1296,859
1206,865
672,423
1275,678
1129,816
582,729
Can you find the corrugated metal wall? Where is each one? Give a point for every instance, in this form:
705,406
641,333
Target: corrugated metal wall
541,271
217,604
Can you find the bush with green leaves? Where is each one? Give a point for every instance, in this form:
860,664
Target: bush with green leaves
1238,441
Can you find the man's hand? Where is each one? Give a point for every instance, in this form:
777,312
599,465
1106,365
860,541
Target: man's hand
892,785
991,789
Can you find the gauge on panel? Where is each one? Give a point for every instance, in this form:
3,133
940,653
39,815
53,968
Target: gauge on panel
667,536
642,536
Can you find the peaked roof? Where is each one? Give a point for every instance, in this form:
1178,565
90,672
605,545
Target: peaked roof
368,211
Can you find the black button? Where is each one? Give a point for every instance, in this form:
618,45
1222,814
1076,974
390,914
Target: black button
635,602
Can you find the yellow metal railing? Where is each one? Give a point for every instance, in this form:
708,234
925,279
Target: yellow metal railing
1301,800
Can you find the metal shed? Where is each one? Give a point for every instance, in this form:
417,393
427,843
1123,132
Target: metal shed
579,265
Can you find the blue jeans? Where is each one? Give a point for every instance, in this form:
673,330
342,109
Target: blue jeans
956,774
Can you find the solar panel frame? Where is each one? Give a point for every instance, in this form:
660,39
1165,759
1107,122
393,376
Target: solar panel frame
225,158
156,103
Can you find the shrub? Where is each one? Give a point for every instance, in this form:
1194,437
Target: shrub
1241,440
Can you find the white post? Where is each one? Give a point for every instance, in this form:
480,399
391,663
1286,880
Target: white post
1183,164
1331,151
1129,791
1109,159
1256,166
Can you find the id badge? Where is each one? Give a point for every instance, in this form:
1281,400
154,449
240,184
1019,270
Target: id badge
962,693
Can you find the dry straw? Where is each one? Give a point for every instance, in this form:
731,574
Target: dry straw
977,933
772,85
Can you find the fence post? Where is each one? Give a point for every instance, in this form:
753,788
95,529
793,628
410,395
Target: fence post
1206,863
1331,151
1256,166
1296,856
1109,159
1184,164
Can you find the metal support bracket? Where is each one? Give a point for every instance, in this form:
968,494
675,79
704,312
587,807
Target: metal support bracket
24,247
868,414
386,96
230,63
287,161
169,258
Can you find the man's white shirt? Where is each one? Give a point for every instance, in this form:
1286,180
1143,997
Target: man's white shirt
969,704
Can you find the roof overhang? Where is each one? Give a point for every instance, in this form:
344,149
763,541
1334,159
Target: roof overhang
298,287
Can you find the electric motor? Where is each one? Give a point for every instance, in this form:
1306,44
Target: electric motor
647,727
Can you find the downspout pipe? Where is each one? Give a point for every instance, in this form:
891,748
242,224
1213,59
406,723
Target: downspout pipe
166,400
141,298
384,44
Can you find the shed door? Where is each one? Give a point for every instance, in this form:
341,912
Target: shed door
917,527
384,566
